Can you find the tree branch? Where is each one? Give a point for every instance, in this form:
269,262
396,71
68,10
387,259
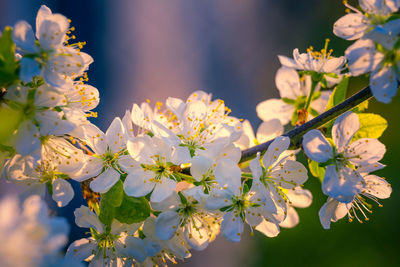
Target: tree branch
296,134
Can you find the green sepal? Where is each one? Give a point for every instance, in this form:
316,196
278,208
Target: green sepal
294,118
371,126
49,186
247,185
288,100
313,112
132,210
225,208
316,170
115,194
182,197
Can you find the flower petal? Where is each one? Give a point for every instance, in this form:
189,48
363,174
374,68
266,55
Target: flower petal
377,187
299,197
288,83
29,69
85,218
384,84
23,36
255,167
115,136
177,106
268,228
137,183
351,26
268,130
232,227
166,224
196,234
365,151
132,247
163,189
342,185
333,65
362,57
327,211
344,128
290,175
228,175
275,109
291,220
199,166
62,192
277,147
105,181
81,249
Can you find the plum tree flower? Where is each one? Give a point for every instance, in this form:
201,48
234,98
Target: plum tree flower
365,25
155,169
49,56
106,246
38,237
42,116
297,198
314,61
266,131
294,93
36,176
108,148
169,178
203,124
373,188
240,207
158,250
365,56
187,213
277,174
341,179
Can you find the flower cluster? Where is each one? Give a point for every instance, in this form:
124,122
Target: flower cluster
53,103
376,51
349,161
38,237
165,180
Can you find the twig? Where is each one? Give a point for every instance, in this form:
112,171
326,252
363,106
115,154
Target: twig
296,134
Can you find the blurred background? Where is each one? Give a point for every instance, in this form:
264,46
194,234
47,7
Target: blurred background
155,49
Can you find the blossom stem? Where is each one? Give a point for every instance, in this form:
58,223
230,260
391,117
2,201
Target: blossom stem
313,86
297,133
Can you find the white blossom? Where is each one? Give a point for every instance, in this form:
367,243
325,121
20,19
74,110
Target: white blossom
154,171
51,57
106,247
372,187
28,236
341,178
294,92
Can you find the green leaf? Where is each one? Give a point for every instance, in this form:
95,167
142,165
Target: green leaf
115,195
10,120
316,170
132,210
8,64
371,126
107,212
361,107
338,94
